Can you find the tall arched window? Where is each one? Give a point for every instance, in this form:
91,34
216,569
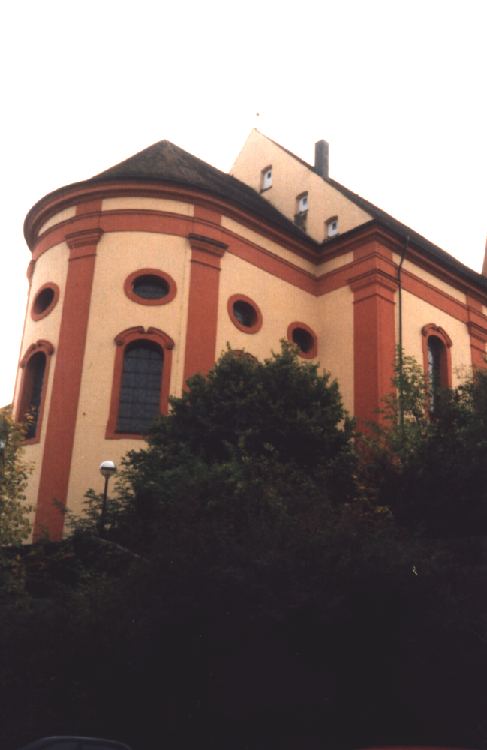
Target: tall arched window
437,360
141,381
35,365
140,390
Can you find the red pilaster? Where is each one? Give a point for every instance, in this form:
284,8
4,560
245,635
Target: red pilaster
477,328
206,255
61,423
374,336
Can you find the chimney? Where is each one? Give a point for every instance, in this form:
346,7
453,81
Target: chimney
321,158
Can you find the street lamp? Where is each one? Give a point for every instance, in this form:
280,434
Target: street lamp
107,470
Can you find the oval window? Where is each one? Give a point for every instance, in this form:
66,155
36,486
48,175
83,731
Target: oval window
244,313
304,338
44,301
150,286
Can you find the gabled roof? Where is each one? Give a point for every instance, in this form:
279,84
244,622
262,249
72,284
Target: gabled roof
165,162
415,238
389,222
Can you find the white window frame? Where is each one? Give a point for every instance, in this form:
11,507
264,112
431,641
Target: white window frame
266,178
332,227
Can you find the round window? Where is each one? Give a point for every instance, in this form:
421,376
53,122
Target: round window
44,301
244,313
304,338
149,286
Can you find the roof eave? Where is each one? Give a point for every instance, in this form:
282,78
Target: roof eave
419,250
89,190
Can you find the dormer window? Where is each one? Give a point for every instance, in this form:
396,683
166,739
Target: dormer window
302,203
301,210
266,179
331,227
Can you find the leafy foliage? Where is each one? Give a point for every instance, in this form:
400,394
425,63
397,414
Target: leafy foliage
249,589
443,485
14,522
249,459
430,468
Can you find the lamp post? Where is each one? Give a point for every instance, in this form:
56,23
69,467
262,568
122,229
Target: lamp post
107,470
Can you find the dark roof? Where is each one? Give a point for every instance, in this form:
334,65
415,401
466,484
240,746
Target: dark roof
386,220
165,162
415,238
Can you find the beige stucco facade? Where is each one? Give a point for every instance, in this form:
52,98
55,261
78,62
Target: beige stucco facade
279,303
290,178
336,340
50,267
60,216
267,244
416,314
344,291
430,278
142,203
118,255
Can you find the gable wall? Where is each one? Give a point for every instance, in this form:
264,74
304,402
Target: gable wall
290,177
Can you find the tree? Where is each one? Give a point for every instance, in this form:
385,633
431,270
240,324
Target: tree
14,511
248,458
430,467
263,600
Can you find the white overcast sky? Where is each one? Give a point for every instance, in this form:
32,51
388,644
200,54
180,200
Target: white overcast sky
397,88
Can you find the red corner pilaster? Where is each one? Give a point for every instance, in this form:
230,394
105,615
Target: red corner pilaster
61,423
206,255
374,337
477,329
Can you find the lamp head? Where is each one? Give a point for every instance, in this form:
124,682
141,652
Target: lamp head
107,468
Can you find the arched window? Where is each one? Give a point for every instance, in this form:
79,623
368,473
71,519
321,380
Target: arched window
141,381
139,403
437,360
35,365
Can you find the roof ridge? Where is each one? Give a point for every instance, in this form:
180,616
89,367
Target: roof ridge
133,157
287,151
378,214
165,161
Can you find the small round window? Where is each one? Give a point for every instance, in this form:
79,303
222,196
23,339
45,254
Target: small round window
244,313
44,301
304,338
149,286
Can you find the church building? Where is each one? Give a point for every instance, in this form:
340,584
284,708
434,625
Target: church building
143,275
